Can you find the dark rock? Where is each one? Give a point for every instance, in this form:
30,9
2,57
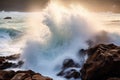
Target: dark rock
20,63
6,75
4,62
28,78
113,79
19,75
39,77
103,63
69,69
82,51
6,65
67,63
100,48
71,73
8,18
22,75
13,57
30,72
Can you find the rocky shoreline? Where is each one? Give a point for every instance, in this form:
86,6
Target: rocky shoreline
5,62
22,75
103,63
17,75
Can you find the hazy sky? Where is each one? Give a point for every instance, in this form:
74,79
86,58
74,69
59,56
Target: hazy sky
96,5
21,5
93,5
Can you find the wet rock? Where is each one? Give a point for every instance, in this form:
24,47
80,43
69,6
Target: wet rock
20,63
103,63
100,48
8,18
69,69
28,78
70,73
67,63
13,57
22,75
5,62
6,75
113,79
5,65
39,77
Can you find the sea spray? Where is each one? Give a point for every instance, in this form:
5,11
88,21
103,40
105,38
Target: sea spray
58,33
55,34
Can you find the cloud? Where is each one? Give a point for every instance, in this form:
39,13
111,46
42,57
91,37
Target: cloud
21,5
95,5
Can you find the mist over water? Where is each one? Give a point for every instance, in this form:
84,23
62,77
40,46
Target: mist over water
56,34
46,38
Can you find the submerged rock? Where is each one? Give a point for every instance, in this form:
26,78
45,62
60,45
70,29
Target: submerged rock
69,73
103,63
8,18
67,63
19,75
5,62
70,69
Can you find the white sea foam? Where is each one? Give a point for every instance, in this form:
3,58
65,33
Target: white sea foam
54,34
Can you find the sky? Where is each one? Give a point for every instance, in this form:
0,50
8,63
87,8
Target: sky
92,5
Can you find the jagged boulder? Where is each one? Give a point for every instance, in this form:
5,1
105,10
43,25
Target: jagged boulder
4,62
40,77
70,69
22,75
103,63
6,75
67,63
8,18
69,73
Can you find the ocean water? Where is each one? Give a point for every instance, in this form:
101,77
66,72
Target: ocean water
44,39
